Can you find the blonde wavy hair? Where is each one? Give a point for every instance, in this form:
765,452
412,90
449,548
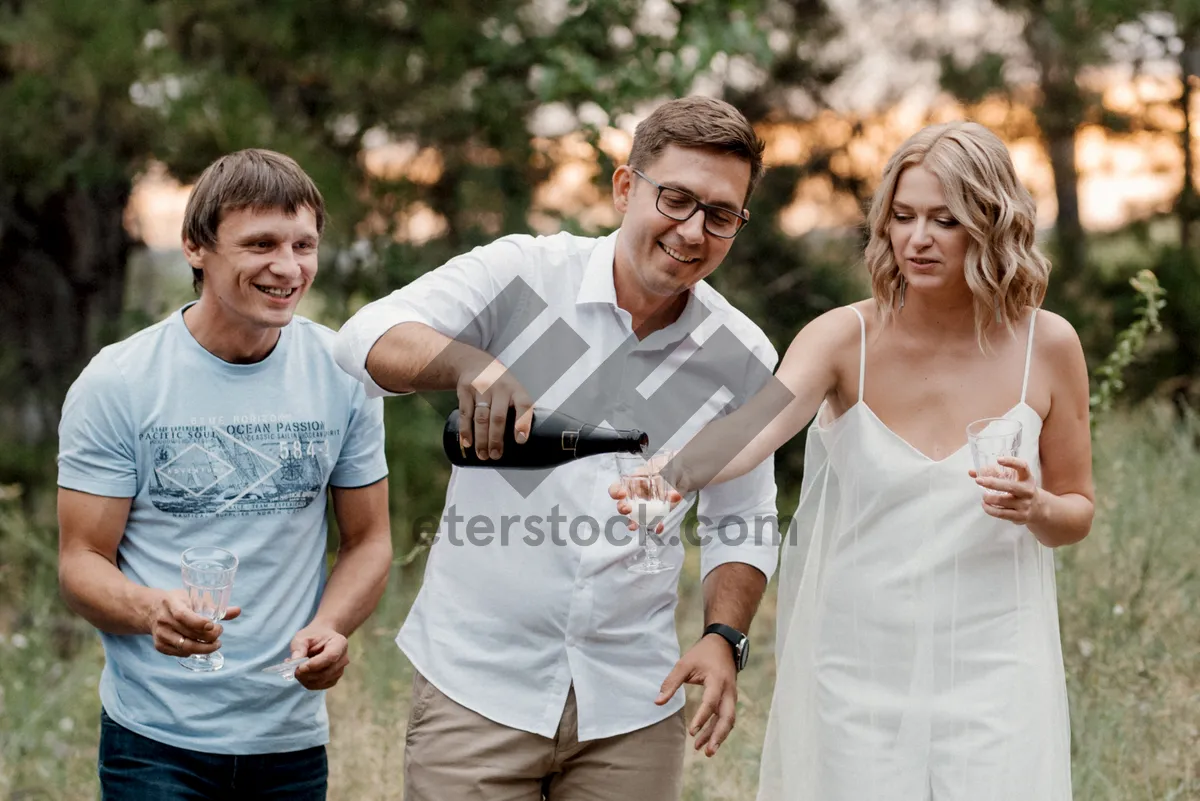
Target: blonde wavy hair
1004,267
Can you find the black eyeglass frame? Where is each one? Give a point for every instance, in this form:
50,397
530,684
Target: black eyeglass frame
700,204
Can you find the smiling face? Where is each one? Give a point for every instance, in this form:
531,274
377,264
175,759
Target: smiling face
929,244
262,263
657,257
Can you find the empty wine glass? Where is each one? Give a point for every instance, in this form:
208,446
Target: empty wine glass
989,439
208,577
647,492
286,670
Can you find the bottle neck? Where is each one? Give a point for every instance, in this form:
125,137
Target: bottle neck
591,441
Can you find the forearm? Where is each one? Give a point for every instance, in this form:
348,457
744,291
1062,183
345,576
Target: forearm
732,592
97,591
719,453
412,357
1061,519
734,445
355,585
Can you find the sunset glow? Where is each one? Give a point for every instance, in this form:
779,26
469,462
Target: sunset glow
1123,176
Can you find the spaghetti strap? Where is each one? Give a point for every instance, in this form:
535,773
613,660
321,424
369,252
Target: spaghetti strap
1028,355
862,352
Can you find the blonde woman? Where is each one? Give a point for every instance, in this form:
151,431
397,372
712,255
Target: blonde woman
918,651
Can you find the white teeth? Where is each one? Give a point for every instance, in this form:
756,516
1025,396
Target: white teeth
674,254
276,292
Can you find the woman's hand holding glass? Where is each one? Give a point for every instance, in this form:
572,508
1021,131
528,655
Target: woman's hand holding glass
647,494
1015,498
619,491
1010,491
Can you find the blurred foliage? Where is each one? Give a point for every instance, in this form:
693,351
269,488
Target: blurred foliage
1065,45
70,142
1062,40
1130,343
478,105
95,94
1174,369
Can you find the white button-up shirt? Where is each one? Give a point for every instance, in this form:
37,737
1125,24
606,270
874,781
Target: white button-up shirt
526,588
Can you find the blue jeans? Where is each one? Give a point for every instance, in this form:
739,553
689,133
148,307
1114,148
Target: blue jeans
136,768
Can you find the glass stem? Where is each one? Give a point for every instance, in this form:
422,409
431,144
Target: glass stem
651,546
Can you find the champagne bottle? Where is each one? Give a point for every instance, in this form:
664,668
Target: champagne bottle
554,438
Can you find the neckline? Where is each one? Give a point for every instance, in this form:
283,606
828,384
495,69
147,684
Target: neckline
233,368
924,456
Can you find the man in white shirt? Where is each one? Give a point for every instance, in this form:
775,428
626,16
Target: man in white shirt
545,668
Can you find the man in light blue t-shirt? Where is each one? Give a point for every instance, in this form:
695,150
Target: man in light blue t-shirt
224,425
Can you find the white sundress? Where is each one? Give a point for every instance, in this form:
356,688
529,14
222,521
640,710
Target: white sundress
918,653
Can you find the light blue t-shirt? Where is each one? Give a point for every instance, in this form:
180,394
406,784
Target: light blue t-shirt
233,455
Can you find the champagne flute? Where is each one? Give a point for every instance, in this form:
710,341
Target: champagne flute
208,576
989,439
648,494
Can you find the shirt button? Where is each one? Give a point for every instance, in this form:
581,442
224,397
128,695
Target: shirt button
570,641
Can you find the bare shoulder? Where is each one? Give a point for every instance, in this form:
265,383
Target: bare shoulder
1060,362
824,356
837,328
1055,338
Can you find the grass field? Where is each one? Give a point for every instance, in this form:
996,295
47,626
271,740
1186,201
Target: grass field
1128,598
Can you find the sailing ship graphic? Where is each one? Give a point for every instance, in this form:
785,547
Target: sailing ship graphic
217,473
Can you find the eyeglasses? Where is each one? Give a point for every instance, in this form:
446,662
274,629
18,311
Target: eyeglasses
675,204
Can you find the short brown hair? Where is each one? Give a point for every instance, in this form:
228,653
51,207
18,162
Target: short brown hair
248,179
700,122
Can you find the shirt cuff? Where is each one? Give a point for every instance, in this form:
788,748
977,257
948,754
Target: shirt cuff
94,486
755,543
356,338
356,479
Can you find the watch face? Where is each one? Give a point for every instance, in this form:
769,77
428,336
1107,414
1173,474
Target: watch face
743,652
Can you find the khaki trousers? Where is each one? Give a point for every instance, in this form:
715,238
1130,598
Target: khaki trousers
454,754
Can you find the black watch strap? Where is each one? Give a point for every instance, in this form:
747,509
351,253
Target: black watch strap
737,641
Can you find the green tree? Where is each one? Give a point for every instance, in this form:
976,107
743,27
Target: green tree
1062,40
71,142
93,92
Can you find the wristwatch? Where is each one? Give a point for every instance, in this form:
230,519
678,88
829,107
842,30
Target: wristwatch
738,641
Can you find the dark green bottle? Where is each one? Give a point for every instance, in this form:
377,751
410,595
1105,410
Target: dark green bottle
554,439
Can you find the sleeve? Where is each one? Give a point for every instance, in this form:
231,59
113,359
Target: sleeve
738,520
362,460
97,438
468,298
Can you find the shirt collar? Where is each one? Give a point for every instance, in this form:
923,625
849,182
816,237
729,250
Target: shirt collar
690,321
597,287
